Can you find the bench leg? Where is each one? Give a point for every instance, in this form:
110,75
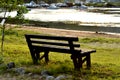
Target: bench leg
34,60
88,61
36,56
46,56
77,62
33,55
80,62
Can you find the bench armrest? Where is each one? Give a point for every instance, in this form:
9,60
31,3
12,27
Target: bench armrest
84,53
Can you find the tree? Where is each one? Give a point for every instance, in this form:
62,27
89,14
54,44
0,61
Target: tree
8,6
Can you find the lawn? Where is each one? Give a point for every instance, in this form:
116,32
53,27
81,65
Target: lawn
105,62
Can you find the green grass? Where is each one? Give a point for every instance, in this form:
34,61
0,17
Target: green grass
105,62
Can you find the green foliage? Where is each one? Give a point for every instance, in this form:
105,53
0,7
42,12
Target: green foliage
20,12
10,5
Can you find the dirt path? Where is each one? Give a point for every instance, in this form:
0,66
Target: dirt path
63,32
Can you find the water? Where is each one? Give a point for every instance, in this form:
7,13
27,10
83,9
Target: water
104,22
71,15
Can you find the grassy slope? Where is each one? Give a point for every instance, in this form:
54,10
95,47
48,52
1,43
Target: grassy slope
105,62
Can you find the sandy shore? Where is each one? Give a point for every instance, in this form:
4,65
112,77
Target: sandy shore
65,32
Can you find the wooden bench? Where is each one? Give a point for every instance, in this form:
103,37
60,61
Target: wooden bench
70,45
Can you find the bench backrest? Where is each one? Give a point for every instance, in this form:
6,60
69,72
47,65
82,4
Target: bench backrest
53,43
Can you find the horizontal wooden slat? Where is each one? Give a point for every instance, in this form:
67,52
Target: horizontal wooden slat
58,43
51,37
55,49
